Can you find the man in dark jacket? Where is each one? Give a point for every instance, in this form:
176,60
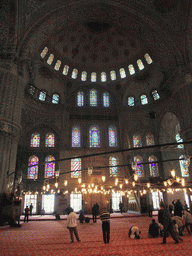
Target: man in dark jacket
168,226
153,229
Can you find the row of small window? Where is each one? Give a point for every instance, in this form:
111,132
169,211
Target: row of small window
42,95
143,98
94,75
76,166
93,98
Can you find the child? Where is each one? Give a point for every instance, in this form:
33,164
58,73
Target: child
176,230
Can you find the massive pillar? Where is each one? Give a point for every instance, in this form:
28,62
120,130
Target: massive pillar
11,100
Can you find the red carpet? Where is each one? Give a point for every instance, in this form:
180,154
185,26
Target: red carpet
52,238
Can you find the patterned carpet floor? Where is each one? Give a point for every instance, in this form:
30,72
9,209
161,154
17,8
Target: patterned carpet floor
51,238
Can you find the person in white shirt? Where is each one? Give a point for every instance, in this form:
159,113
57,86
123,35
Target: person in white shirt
134,232
72,225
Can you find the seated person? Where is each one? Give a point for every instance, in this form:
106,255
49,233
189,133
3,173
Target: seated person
134,232
153,229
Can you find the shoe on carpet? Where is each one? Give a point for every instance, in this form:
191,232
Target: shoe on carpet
163,243
176,242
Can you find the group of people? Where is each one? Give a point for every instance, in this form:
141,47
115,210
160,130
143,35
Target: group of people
28,210
167,224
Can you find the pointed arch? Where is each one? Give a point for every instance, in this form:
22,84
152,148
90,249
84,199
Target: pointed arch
49,167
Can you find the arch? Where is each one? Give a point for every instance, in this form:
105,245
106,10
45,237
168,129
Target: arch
112,133
35,140
139,168
153,167
94,137
75,168
49,167
76,136
33,170
50,140
113,169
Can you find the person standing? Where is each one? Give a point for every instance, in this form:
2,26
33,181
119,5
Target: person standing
168,226
105,218
31,208
27,210
121,205
72,225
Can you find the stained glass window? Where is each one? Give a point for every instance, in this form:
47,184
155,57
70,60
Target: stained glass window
49,140
74,73
140,64
93,98
184,166
103,77
42,96
137,141
50,59
44,52
84,76
150,140
113,166
75,168
65,70
93,77
153,167
131,69
35,140
106,99
112,132
49,167
122,73
55,98
31,89
94,137
80,99
148,58
155,95
178,139
131,101
33,170
113,75
144,99
139,168
76,137
57,65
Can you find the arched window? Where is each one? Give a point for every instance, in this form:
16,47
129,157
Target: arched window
155,95
94,137
131,101
33,170
76,168
44,52
112,132
93,77
139,168
65,70
113,75
35,140
150,140
55,98
49,167
57,65
153,167
42,96
148,58
131,69
184,166
113,166
103,77
106,99
93,98
140,64
80,99
137,141
50,140
50,59
84,76
122,73
76,137
178,140
74,73
144,99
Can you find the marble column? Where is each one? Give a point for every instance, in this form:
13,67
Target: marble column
11,102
